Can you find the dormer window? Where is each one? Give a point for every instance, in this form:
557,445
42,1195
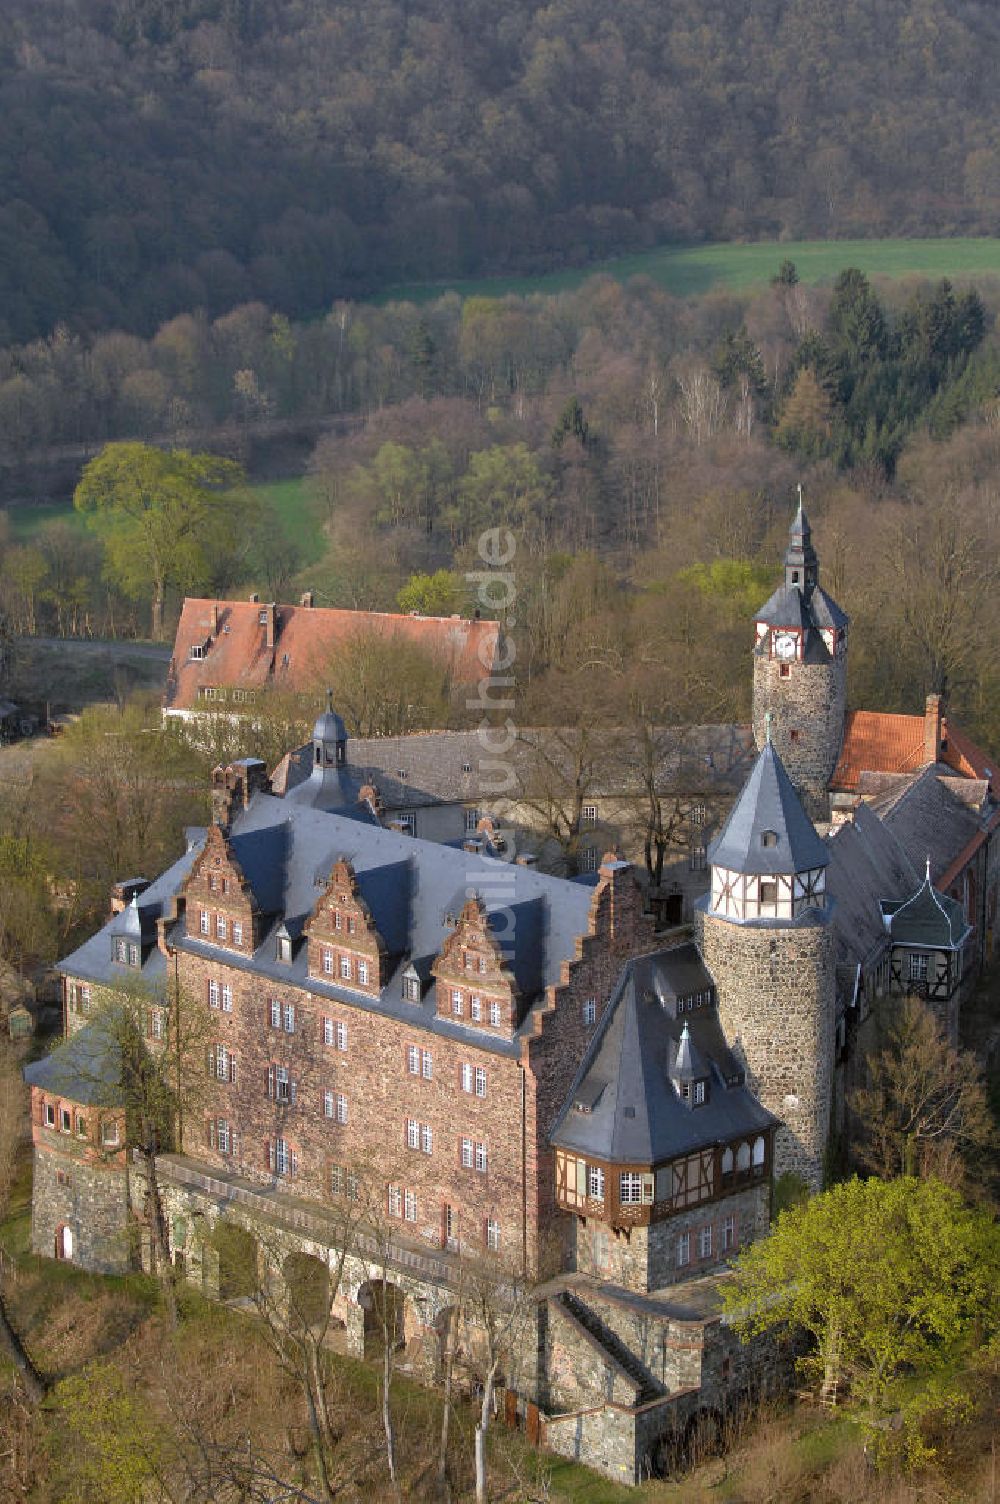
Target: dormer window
262,618
284,946
769,838
700,1093
411,989
196,650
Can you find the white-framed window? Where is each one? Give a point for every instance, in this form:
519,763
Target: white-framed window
412,1133
345,968
284,947
456,1004
411,989
328,1035
327,961
698,859
237,932
341,1108
223,1135
395,1201
759,1151
203,922
410,1206
476,1009
328,1104
588,859
280,1084
50,1114
495,1015
81,1125
450,1220
630,1188
466,1077
121,950
483,966
363,973
352,1186
413,1060
340,1035
683,1250
275,1013
222,1059
705,1242
283,1160
427,1065
337,1180
426,1138
227,998
699,1093
213,993
196,650
466,1153
288,1018
133,953
109,1133
595,1182
588,814
918,968
590,1012
729,1232
65,1120
482,1158
471,820
492,1234
480,1081
221,927
338,920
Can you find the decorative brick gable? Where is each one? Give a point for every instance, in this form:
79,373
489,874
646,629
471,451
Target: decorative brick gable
471,965
344,944
217,889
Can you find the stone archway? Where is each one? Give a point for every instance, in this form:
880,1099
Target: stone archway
239,1261
384,1307
307,1286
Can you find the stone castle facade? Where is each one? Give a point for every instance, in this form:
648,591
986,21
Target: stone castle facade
501,1066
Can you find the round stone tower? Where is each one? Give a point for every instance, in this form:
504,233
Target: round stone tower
765,937
800,672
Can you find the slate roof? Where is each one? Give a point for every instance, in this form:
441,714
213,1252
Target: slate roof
768,803
927,820
84,1068
92,962
788,607
306,638
929,919
867,864
637,1116
432,767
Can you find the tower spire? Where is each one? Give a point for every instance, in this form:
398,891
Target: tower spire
801,563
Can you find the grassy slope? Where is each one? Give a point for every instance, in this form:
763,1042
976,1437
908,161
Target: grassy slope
685,270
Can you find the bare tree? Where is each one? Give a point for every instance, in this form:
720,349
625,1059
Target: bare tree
923,1108
12,1117
557,771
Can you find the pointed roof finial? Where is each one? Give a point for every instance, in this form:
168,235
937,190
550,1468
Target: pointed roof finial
799,489
329,701
928,875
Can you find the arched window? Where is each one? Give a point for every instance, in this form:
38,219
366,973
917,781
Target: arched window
758,1155
743,1158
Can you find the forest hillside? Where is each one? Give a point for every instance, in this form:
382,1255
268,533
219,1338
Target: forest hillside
160,156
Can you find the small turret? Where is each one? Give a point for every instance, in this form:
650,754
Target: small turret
329,738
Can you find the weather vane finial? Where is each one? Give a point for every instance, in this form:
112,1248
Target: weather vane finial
928,868
329,701
799,489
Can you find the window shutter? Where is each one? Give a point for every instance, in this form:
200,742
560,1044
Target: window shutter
270,1080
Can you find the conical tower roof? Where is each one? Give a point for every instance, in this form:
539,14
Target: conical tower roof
768,831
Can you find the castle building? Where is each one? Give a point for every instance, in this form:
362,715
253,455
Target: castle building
501,1064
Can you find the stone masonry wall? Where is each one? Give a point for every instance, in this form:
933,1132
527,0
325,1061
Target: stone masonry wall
91,1200
645,1258
777,1008
809,707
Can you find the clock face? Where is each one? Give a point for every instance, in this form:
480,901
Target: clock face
784,645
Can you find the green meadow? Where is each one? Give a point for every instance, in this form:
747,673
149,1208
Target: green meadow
685,270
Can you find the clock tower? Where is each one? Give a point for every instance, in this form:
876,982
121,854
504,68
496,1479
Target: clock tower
800,672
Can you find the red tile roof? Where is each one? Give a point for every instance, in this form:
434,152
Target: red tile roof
879,742
231,640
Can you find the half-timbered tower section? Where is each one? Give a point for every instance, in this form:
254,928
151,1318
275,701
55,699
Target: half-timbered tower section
766,939
663,1156
929,941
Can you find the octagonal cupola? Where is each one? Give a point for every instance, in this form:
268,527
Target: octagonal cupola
768,862
329,738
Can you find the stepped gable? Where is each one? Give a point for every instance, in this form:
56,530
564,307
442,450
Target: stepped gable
622,1106
928,919
410,888
768,805
249,645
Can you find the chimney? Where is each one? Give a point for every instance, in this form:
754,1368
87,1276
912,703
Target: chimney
215,620
255,597
270,614
932,729
307,599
